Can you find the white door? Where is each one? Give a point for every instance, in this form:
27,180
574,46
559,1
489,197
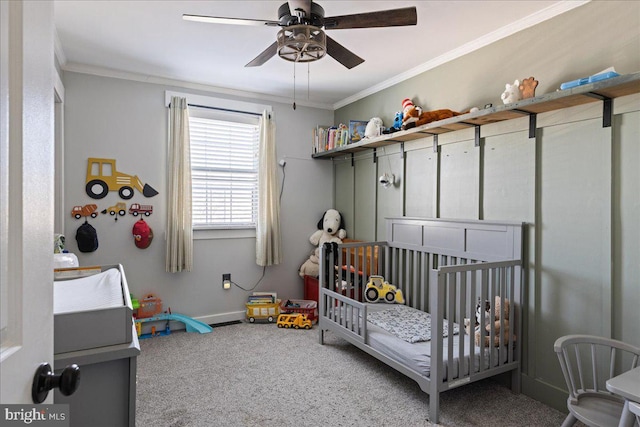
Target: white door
26,195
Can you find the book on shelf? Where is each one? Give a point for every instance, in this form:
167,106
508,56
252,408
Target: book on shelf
329,137
356,130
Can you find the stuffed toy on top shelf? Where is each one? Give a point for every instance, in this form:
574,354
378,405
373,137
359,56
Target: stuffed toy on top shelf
414,116
330,229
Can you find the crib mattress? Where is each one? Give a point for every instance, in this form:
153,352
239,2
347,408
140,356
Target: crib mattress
417,356
93,311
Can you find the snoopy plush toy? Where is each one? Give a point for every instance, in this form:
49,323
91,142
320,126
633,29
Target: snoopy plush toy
330,229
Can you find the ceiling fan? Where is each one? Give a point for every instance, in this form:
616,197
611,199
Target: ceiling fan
302,35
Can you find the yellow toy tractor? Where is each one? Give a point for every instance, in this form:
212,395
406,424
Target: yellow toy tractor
380,290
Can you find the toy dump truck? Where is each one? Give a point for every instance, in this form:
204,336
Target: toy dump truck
295,320
103,177
87,210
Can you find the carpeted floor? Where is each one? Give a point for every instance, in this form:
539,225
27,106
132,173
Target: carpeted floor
261,376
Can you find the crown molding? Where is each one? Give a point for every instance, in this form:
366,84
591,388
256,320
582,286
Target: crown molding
165,81
501,33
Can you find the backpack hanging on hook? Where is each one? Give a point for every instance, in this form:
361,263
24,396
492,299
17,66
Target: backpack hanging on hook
87,237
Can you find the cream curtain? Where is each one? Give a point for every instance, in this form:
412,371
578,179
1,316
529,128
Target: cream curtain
179,251
268,245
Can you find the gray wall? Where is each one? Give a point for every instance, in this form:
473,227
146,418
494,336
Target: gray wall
576,184
127,120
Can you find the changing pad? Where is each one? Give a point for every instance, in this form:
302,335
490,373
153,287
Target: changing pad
100,291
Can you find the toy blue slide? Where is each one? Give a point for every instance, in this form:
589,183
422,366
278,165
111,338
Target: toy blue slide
191,324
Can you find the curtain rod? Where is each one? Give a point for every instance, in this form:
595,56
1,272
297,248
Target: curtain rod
224,109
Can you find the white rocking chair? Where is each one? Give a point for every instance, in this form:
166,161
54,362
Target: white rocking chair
587,362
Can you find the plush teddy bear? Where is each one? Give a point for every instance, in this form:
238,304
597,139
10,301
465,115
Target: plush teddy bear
414,116
511,92
528,88
330,229
491,321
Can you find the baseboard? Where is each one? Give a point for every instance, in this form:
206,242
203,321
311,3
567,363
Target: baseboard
214,319
546,393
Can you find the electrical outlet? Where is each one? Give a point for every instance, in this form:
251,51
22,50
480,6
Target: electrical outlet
226,281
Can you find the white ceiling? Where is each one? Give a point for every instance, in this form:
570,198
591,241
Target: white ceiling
150,40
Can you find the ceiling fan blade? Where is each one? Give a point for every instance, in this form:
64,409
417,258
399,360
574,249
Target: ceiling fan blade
342,54
232,21
383,18
266,55
303,5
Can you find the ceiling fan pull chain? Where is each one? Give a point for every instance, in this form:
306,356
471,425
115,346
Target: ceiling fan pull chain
308,79
294,85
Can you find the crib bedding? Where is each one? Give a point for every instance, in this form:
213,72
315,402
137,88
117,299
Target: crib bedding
417,356
399,340
407,323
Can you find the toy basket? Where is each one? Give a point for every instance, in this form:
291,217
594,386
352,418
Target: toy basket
267,311
149,306
302,306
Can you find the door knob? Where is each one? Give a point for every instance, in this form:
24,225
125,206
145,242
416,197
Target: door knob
45,380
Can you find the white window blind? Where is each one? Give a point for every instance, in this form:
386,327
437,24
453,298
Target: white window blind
224,169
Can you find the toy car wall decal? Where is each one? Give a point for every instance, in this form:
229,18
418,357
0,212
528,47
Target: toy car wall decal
103,177
137,209
87,210
119,208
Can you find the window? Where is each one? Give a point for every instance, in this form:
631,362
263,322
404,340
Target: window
224,168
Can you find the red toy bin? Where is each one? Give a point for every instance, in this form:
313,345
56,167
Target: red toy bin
302,306
149,306
311,288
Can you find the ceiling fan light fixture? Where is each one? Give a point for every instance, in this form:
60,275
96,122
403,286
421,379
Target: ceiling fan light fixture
302,43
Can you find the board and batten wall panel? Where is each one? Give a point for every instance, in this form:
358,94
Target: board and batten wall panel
390,199
508,193
365,198
344,191
626,227
421,190
459,180
574,238
508,177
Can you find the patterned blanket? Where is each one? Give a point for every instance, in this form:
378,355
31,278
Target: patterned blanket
407,323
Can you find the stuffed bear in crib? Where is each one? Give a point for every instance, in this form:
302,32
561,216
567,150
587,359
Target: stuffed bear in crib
491,319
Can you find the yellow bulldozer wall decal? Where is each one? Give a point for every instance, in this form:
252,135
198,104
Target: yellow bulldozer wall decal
103,177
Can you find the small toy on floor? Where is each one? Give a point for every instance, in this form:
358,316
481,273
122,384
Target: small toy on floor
294,320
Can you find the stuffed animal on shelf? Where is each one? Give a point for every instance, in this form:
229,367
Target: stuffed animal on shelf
330,229
374,128
491,320
528,88
414,116
511,92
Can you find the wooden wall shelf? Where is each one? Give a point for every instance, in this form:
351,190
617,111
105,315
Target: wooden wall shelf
603,91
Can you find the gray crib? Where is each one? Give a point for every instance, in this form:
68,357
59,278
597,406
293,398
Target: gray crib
444,268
